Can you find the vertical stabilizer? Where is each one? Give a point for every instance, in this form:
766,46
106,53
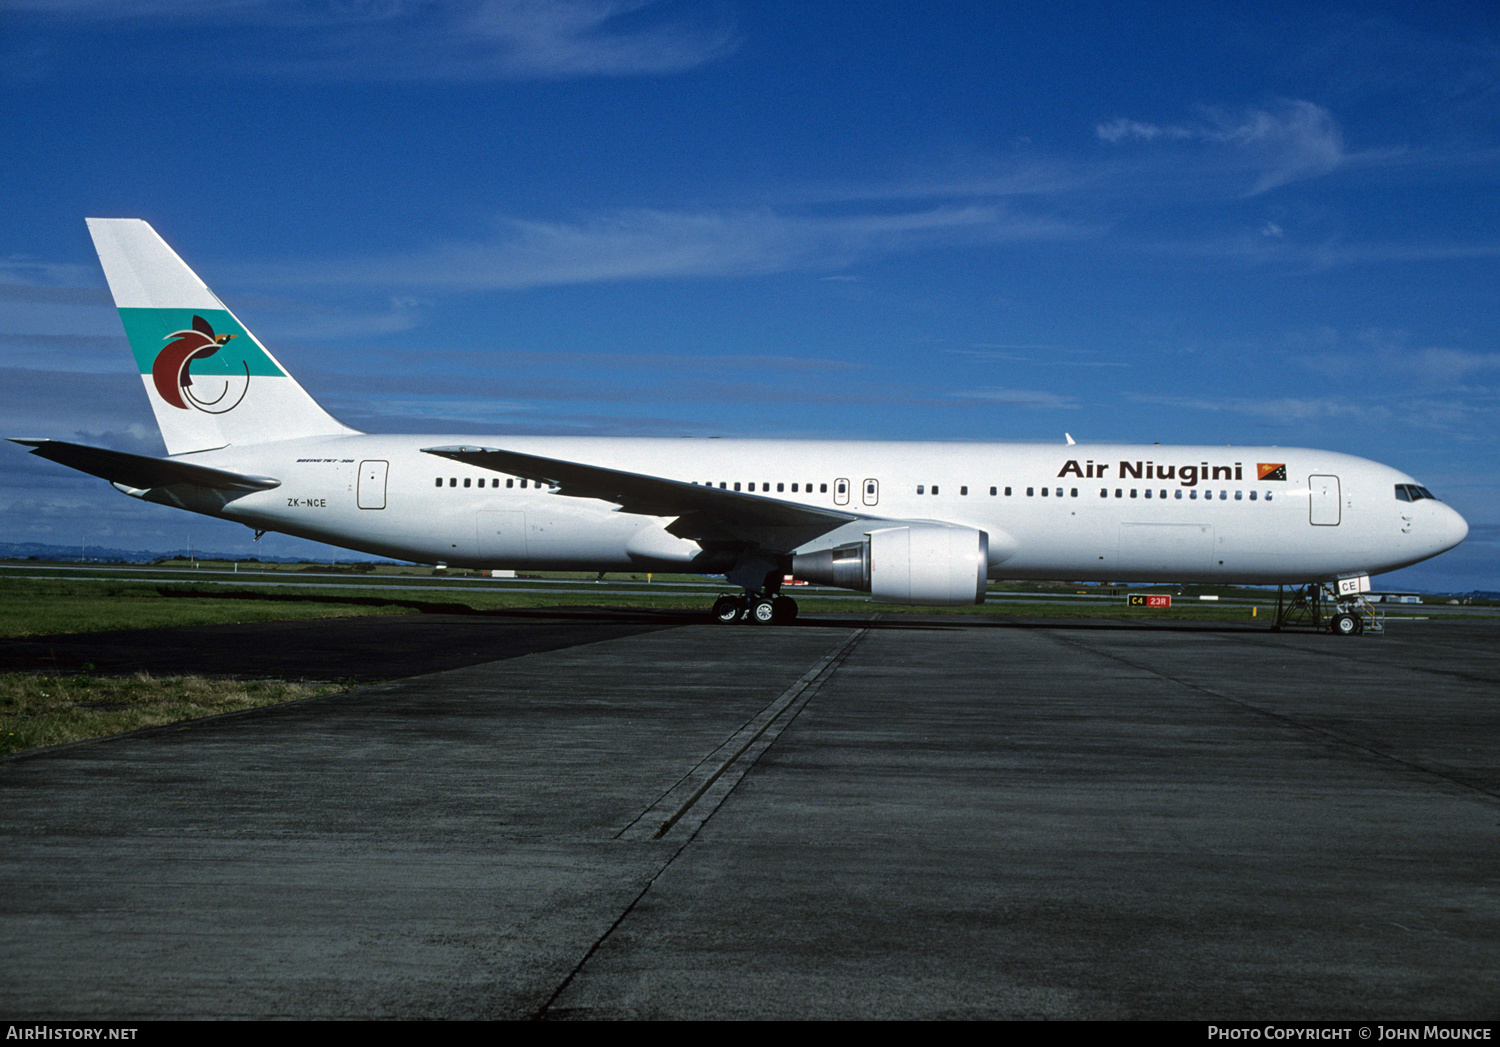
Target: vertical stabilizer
210,382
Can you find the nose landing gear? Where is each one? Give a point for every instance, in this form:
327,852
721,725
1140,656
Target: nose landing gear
1321,607
1346,624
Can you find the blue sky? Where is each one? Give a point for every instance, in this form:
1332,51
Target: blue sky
1248,224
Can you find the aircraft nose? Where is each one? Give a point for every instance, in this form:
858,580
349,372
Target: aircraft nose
1458,527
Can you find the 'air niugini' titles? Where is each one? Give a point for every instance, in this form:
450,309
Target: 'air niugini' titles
1185,475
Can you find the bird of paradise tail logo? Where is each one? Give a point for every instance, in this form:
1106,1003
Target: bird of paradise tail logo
171,372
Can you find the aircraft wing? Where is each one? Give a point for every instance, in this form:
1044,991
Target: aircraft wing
700,508
141,472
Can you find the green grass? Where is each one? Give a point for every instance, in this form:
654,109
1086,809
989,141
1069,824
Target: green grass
45,606
375,572
41,607
49,709
111,597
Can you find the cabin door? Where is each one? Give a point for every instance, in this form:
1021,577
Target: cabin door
1323,495
372,484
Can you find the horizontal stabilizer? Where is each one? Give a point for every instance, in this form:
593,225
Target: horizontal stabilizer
140,472
647,495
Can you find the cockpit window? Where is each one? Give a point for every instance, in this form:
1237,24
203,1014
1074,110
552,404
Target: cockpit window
1413,493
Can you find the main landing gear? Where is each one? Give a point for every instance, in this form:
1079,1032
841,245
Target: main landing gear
762,603
759,610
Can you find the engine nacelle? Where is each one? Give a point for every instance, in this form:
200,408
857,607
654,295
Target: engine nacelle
931,564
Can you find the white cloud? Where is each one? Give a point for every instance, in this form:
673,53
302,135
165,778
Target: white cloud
321,323
434,39
1300,141
649,244
1296,140
1459,419
558,360
1388,353
1040,355
1118,130
1452,364
1283,410
1033,398
27,279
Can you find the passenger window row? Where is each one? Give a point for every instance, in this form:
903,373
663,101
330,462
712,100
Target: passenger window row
1031,492
1135,492
765,488
494,481
1192,494
1404,492
511,482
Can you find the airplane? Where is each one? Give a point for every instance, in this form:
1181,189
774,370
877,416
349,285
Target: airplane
909,523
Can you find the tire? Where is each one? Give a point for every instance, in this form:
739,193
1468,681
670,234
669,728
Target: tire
1344,625
727,610
786,610
763,611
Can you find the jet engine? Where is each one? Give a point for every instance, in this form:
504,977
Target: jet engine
932,564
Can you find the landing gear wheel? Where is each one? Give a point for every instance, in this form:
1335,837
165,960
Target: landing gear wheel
727,609
763,611
786,610
1345,624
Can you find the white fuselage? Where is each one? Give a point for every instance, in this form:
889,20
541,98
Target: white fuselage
922,523
1084,512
